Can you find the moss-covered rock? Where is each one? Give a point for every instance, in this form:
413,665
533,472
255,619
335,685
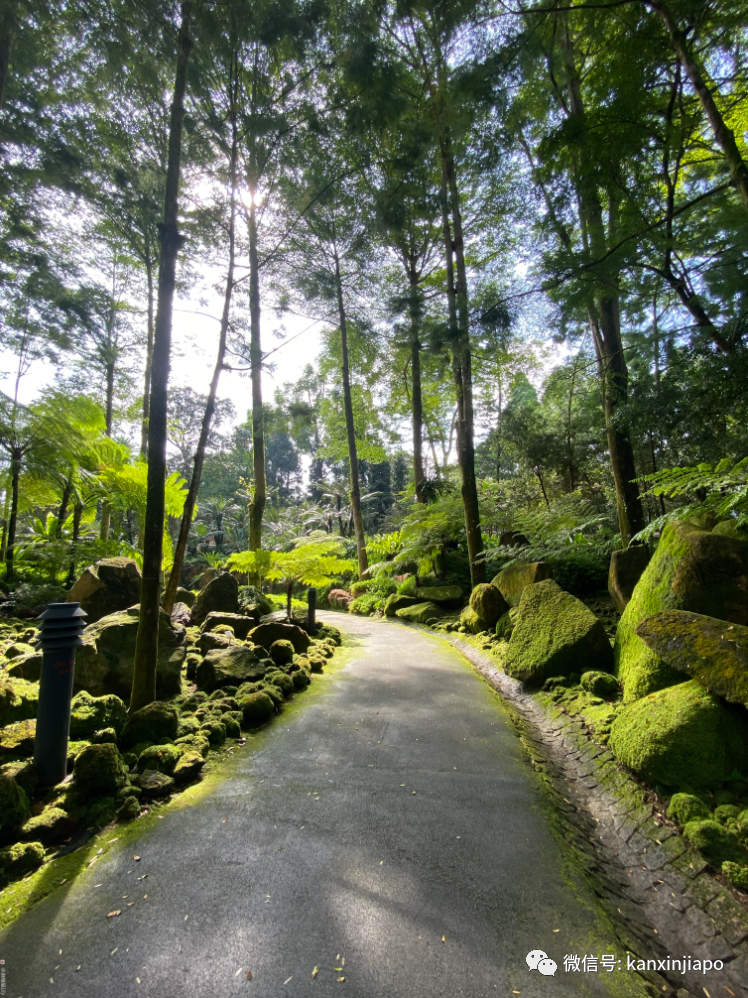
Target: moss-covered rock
686,807
188,767
198,742
736,874
188,725
212,640
256,709
214,730
24,773
19,859
154,784
98,772
151,723
129,809
626,568
555,634
274,692
505,624
301,679
240,624
230,666
89,714
449,597
329,633
514,579
109,585
220,595
680,737
14,804
486,600
266,634
419,613
282,681
713,841
103,736
162,758
601,684
27,667
692,569
705,648
397,602
472,622
17,739
281,652
726,813
18,700
18,649
185,596
52,825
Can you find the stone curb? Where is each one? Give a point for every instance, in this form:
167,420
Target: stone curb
655,888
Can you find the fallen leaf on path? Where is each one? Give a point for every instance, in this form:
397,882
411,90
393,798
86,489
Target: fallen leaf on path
412,793
289,979
113,914
249,975
186,917
444,939
136,858
315,972
130,904
238,971
340,979
342,962
137,980
338,969
114,951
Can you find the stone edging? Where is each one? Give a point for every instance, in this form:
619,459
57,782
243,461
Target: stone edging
655,887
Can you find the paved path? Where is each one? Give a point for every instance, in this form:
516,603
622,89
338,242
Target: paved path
317,851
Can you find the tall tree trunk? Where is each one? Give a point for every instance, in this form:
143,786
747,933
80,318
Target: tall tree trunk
148,357
63,510
146,647
257,509
723,135
106,512
197,468
8,21
417,400
350,432
77,517
15,474
604,311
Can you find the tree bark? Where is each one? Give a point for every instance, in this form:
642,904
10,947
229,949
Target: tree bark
358,522
257,509
417,400
106,512
63,510
723,135
148,358
197,469
15,474
146,647
8,22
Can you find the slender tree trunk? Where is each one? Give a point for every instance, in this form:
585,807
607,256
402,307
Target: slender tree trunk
417,400
15,474
257,508
77,517
148,358
358,522
197,468
106,512
146,648
63,510
723,135
8,22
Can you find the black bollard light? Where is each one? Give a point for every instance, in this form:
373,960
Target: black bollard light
62,624
311,599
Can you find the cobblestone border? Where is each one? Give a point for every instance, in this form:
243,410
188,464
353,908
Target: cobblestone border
656,889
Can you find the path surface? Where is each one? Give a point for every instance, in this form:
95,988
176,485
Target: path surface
317,851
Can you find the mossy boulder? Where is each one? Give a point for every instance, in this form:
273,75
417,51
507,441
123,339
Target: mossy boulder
600,684
186,596
17,650
686,807
472,622
17,739
681,737
514,579
104,662
212,640
486,600
692,569
24,773
214,730
326,632
449,597
162,758
397,602
188,767
89,714
232,725
705,648
19,859
18,700
555,634
154,784
27,667
230,666
98,771
505,624
281,652
129,809
736,873
152,723
52,825
256,709
274,692
281,680
713,841
14,804
301,679
106,587
727,813
266,634
240,624
188,725
220,595
419,613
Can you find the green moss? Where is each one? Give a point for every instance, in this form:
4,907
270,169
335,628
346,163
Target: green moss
98,771
301,679
281,680
472,621
281,652
214,730
129,809
602,684
737,874
162,758
52,824
726,813
686,807
274,692
19,859
680,737
713,841
232,726
187,726
89,714
189,767
151,723
14,804
17,739
419,613
256,709
488,603
18,700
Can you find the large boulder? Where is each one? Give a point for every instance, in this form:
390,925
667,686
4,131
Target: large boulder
397,602
185,596
447,596
555,634
221,594
98,771
472,621
27,667
514,579
705,648
692,569
109,585
14,805
181,615
626,568
420,613
17,739
681,737
266,634
240,624
230,666
104,663
89,714
18,700
153,723
488,603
